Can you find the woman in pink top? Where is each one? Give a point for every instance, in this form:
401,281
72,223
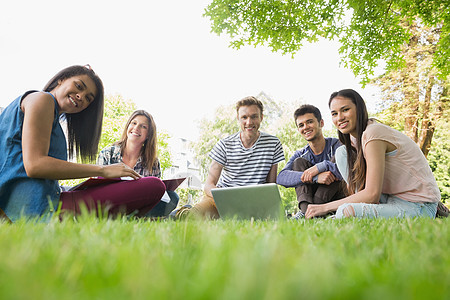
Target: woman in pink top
389,176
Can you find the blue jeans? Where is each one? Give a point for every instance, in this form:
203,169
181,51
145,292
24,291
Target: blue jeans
163,209
389,206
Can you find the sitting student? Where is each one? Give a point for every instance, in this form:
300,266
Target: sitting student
386,173
247,157
137,149
34,151
311,170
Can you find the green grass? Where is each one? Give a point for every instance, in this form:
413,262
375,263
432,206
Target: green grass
316,259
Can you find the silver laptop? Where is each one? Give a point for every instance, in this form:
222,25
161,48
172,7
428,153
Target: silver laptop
261,201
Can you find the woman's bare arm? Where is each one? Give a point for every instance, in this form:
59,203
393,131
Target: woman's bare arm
38,111
375,160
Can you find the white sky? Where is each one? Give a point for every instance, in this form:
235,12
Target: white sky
160,54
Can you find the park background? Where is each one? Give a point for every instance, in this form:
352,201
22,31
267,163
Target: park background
160,54
162,57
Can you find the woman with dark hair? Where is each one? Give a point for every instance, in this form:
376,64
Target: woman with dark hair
137,148
386,173
34,150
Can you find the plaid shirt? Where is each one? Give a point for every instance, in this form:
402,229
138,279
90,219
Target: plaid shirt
112,155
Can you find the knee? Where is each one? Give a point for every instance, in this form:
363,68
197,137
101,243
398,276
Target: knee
345,211
301,164
349,211
206,208
157,182
156,185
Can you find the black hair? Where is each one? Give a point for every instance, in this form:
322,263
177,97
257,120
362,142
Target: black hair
84,128
307,109
356,161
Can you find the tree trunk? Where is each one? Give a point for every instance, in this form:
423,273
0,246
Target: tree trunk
411,88
427,129
427,136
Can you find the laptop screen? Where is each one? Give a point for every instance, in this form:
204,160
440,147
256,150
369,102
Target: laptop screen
261,201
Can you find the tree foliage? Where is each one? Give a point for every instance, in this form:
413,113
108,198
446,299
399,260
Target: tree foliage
411,36
116,113
369,31
439,158
414,97
211,131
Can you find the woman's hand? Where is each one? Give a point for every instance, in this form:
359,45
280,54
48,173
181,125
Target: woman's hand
119,170
316,210
308,174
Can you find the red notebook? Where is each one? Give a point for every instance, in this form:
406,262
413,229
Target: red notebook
171,184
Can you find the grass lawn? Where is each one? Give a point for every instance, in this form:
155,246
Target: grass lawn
315,259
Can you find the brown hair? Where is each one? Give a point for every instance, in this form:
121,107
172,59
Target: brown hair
84,128
247,101
307,109
149,149
356,161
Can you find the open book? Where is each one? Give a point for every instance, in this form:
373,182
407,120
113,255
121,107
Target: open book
171,184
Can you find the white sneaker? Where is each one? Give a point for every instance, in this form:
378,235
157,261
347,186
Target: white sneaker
299,215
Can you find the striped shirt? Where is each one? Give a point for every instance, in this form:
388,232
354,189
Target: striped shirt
242,166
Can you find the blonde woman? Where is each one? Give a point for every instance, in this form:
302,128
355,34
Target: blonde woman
137,149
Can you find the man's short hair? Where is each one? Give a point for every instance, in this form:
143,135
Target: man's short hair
247,101
307,109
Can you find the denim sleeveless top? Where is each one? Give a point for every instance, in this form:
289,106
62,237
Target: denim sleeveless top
20,194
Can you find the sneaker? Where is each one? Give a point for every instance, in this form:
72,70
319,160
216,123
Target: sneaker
332,216
299,215
442,210
180,213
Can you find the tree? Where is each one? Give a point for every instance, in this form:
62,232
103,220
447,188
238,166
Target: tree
439,157
414,97
411,36
115,116
211,131
369,31
116,113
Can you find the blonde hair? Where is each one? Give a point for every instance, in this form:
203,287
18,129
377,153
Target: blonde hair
149,150
247,101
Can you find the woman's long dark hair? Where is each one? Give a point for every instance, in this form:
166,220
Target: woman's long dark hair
356,161
149,149
84,128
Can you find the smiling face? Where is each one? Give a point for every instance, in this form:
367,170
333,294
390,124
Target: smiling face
343,114
137,131
309,127
74,94
250,119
